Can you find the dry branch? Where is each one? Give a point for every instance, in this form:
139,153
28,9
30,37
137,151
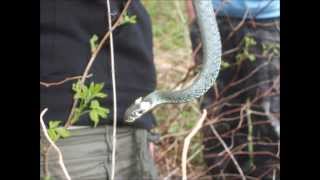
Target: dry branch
228,151
187,143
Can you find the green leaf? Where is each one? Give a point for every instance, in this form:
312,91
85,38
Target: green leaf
133,19
75,86
106,110
63,132
94,104
98,87
54,124
101,95
94,117
53,135
91,88
93,42
102,112
85,91
87,95
225,64
80,91
76,115
251,57
129,19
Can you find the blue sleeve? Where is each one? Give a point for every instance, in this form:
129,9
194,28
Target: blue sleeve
260,9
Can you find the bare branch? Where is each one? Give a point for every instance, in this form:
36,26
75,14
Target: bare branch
46,84
187,143
228,151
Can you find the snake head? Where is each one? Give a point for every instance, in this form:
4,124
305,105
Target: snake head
140,107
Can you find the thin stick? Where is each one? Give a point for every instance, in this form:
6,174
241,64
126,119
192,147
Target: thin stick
275,170
228,151
234,30
184,22
187,141
93,57
46,84
61,163
189,159
114,92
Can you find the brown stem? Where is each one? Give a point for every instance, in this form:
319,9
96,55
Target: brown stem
47,84
93,57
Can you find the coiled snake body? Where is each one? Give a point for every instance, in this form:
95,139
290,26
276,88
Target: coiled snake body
210,38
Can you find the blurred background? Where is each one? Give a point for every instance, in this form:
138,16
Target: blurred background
238,107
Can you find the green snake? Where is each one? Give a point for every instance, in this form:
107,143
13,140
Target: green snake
211,47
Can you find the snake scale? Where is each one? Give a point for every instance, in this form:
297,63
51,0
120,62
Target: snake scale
211,48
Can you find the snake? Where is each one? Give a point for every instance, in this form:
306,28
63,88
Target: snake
206,77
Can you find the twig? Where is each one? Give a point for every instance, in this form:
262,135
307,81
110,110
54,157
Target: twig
234,30
189,159
242,91
234,83
46,84
167,150
174,135
93,57
230,51
184,22
228,151
187,143
275,170
44,129
114,92
239,150
250,134
236,175
269,91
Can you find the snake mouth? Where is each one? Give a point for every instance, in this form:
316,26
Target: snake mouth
137,110
130,120
131,117
128,117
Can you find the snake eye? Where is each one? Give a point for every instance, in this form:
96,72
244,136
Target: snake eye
139,113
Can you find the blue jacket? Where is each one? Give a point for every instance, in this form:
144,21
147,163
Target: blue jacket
259,9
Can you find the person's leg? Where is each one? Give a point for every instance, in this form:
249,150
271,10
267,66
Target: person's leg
88,154
84,154
133,158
